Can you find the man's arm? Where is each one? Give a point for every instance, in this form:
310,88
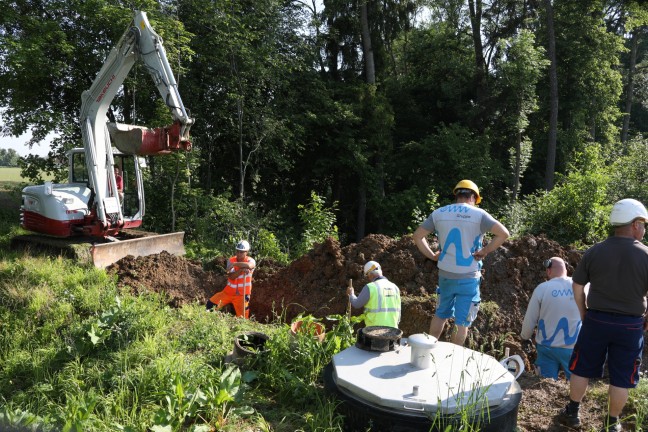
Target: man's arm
361,300
245,265
500,234
422,244
236,269
531,316
579,298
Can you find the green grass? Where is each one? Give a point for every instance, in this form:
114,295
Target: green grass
10,174
79,353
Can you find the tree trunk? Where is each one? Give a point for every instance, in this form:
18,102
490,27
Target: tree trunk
370,76
239,111
629,96
362,212
367,50
174,182
518,167
553,101
475,10
239,120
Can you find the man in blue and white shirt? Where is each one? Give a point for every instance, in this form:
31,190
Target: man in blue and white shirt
553,310
460,228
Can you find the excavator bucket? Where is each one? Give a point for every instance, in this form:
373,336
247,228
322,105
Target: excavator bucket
107,253
143,141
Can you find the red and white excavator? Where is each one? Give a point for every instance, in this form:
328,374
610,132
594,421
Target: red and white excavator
96,205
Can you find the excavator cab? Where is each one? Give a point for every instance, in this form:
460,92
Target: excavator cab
130,196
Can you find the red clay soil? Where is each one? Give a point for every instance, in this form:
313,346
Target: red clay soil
315,284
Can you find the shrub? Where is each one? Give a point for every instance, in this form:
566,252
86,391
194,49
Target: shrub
318,222
576,210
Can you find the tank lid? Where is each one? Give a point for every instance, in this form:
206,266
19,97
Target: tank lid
458,377
421,340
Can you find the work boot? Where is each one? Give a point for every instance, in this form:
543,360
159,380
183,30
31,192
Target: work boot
613,427
569,418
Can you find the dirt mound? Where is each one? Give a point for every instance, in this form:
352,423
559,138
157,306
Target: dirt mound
183,281
316,283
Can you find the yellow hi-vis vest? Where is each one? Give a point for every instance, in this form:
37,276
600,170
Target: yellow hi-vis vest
384,305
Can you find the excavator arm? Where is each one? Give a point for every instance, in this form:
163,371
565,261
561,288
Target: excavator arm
141,42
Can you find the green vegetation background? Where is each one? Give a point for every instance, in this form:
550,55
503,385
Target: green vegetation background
287,104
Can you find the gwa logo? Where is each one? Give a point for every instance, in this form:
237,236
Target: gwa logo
562,293
455,209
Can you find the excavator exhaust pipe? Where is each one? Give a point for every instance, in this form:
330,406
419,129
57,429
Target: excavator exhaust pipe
107,253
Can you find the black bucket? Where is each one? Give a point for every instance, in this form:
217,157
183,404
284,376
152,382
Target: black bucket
250,344
378,338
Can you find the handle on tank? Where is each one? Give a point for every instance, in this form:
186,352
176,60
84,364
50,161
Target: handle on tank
513,364
411,408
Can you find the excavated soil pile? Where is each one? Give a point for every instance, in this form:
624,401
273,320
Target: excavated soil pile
315,284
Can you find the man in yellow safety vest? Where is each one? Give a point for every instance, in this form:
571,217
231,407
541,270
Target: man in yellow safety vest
380,298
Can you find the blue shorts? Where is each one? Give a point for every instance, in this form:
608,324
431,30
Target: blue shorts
552,359
617,338
458,299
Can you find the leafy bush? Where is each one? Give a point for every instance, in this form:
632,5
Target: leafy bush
576,210
420,214
629,173
227,222
318,222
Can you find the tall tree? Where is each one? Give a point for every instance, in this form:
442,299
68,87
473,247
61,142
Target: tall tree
520,73
51,52
552,136
247,55
629,87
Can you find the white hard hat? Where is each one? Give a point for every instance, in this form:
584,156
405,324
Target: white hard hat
370,267
243,246
627,210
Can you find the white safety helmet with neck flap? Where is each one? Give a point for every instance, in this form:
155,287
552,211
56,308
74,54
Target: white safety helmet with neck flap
371,266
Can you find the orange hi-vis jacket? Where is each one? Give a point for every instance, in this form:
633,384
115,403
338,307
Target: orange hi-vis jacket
242,284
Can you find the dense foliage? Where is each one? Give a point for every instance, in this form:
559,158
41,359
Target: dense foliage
371,106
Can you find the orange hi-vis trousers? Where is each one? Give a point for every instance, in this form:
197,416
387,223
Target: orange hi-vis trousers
241,303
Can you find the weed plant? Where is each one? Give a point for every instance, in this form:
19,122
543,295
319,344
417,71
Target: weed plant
470,394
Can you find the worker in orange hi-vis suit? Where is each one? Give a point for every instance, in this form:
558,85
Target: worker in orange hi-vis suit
239,282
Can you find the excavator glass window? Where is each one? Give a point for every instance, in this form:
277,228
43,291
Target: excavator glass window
79,169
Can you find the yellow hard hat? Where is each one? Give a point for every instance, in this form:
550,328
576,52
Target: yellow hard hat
468,184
